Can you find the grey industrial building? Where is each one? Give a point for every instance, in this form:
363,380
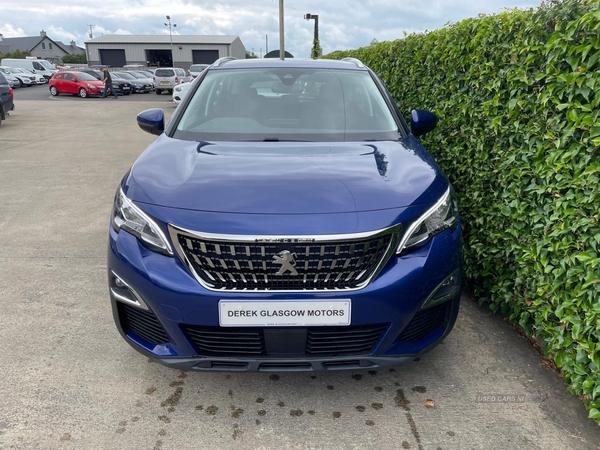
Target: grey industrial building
118,50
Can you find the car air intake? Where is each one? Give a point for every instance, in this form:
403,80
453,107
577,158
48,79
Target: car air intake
426,321
316,341
141,322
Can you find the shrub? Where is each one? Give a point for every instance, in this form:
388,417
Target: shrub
518,98
75,59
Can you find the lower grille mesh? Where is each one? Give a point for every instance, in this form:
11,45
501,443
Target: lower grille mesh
217,341
426,321
352,340
141,322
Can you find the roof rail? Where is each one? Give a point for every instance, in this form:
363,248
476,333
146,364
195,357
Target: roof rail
221,61
357,62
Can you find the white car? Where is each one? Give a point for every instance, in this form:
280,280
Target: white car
180,91
24,78
39,78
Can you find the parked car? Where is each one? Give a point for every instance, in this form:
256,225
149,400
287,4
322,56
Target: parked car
305,230
12,80
196,69
141,76
24,78
75,83
121,86
148,72
40,66
6,98
139,86
180,91
165,79
39,78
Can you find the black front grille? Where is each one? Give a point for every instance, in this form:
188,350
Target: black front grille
226,341
351,340
218,341
141,322
426,321
290,265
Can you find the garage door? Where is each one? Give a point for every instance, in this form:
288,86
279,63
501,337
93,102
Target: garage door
205,56
112,58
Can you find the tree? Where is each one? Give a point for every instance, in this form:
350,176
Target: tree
316,49
17,54
250,55
75,59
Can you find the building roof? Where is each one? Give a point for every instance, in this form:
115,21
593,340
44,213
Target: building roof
70,49
162,39
28,43
25,43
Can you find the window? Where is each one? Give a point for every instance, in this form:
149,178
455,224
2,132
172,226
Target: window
287,104
37,66
43,46
69,77
50,45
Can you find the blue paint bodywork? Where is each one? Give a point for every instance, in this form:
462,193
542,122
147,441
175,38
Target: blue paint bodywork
283,189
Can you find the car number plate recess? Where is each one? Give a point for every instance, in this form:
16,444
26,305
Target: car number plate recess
284,313
164,82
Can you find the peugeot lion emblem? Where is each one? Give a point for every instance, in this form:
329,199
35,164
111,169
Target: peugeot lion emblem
287,261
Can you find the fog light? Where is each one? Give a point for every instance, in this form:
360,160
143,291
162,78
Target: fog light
123,292
445,291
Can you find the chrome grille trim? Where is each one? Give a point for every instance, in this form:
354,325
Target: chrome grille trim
181,236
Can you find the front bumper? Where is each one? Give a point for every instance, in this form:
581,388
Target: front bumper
177,302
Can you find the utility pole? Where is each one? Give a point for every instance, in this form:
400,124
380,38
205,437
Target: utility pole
266,43
91,31
281,32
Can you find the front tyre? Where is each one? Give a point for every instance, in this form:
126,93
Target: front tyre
83,93
53,91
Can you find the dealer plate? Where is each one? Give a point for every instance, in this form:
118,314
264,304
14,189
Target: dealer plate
287,313
165,82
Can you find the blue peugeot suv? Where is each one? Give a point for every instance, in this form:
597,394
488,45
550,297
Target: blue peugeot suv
286,219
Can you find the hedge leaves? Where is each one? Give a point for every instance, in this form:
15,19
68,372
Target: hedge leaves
518,98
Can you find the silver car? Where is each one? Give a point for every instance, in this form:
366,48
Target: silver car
166,78
25,79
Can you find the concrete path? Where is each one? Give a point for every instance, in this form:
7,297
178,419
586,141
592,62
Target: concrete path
69,381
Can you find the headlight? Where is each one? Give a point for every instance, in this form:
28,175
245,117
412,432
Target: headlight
93,86
443,215
128,217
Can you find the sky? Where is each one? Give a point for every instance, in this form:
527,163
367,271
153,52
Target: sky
343,24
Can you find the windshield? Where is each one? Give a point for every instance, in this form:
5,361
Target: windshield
198,67
164,73
126,76
281,104
15,70
46,64
135,75
86,77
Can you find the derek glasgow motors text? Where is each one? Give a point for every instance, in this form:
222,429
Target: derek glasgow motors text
288,313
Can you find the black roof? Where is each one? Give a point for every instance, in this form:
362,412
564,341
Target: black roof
292,62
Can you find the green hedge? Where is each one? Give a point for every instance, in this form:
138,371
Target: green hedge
518,97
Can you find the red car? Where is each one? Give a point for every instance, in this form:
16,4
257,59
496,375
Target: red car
75,83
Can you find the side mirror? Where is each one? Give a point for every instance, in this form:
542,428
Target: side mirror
422,122
152,121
